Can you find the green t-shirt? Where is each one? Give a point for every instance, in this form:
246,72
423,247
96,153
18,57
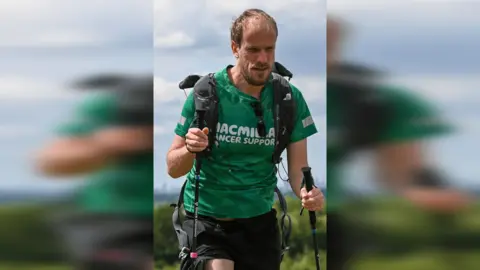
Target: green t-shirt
239,178
124,187
413,119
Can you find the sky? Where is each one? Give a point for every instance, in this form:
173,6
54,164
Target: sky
428,47
46,44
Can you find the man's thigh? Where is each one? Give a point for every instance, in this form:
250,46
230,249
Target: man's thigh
212,247
259,244
250,244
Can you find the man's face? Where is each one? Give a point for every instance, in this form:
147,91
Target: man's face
256,55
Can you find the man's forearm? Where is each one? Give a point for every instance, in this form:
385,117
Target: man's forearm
296,178
72,158
297,159
79,155
179,162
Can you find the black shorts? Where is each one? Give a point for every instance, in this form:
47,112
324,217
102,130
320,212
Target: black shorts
252,243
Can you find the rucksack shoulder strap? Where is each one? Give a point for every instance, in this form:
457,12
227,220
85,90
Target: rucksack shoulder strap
205,89
284,112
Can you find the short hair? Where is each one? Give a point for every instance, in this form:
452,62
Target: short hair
236,31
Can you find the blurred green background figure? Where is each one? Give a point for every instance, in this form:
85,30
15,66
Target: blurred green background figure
109,141
366,113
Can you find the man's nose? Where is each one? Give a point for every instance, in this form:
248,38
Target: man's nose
262,57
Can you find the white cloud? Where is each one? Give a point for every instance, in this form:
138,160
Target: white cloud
159,130
303,8
181,26
367,5
313,88
404,8
321,123
444,89
412,16
65,38
166,126
174,40
169,21
54,38
68,22
166,91
21,88
468,124
16,131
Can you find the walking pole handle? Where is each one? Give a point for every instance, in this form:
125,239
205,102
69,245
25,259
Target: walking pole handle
308,178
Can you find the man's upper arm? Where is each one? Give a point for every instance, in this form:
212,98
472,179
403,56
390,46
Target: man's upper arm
413,119
297,153
178,142
304,125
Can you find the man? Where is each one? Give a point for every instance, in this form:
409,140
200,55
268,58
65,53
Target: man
238,228
400,159
115,208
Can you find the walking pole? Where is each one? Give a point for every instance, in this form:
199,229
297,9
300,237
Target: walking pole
308,180
200,108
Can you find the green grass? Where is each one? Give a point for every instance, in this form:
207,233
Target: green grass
32,266
428,260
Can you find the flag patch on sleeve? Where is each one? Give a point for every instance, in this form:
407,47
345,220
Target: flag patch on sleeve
307,121
182,120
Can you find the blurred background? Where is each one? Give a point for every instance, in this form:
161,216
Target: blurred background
45,46
428,48
195,39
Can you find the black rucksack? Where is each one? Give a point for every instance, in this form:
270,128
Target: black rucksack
284,107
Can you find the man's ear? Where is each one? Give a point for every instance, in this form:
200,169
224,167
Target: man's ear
235,48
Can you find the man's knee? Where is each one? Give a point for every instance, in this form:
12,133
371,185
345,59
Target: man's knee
219,264
206,264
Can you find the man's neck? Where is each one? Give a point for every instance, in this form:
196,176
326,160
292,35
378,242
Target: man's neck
239,81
